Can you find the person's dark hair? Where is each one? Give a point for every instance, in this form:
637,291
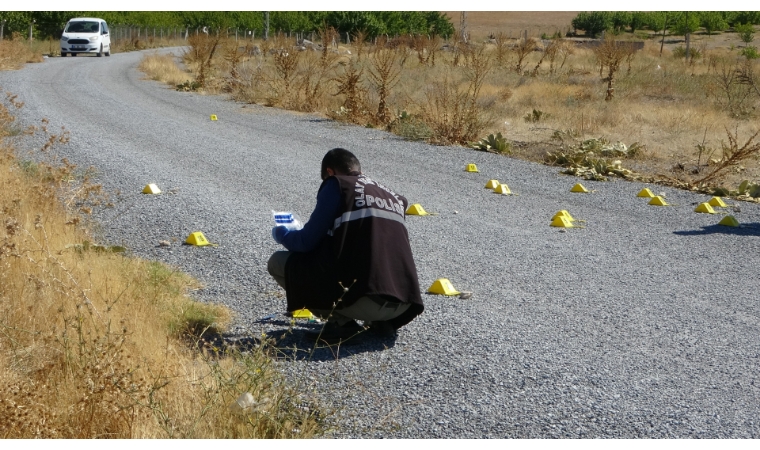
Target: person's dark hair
341,161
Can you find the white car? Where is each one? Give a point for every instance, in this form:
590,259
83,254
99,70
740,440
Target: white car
86,35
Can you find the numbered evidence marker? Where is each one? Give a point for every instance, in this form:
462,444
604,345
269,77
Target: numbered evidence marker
442,286
502,189
717,202
705,208
492,184
471,168
416,210
302,314
197,238
213,117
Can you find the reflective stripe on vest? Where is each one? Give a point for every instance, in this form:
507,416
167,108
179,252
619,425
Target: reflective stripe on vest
365,212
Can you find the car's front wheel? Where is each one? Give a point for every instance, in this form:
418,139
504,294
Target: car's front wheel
108,53
64,54
100,53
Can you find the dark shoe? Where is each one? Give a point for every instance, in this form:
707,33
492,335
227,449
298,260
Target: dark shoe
382,329
332,333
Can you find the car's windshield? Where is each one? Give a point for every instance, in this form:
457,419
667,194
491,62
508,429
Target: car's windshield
82,27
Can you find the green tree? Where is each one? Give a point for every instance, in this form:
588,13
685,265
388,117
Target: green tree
17,21
656,20
685,22
638,21
712,21
593,22
736,17
746,32
439,24
620,20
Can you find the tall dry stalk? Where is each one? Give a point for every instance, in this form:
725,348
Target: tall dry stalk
733,154
502,48
360,42
735,83
285,65
349,83
384,75
610,54
327,35
451,110
200,54
523,48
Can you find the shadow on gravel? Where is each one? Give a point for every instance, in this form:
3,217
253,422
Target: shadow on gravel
745,229
294,345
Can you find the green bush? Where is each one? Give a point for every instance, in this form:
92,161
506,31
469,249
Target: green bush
680,52
593,22
746,32
750,52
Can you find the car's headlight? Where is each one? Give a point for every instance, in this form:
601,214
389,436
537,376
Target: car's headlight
94,39
64,39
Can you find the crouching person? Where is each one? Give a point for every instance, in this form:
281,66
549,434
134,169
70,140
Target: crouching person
355,247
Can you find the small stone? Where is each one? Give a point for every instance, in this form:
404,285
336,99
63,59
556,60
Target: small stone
164,244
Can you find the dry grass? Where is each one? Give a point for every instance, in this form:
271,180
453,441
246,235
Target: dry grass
164,68
94,344
16,52
481,24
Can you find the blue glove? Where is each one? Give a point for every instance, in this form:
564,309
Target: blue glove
278,233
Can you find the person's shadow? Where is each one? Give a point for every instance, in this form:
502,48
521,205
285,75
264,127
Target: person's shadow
293,343
745,229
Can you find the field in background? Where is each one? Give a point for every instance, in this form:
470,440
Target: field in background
97,344
481,24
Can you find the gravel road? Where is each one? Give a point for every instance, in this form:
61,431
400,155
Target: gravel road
645,323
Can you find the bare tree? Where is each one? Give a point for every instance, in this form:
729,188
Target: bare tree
610,54
523,48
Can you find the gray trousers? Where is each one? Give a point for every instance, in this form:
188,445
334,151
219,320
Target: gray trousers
371,308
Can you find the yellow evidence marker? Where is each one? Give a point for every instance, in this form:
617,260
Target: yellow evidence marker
646,192
492,184
213,117
502,189
658,201
302,314
717,202
416,210
151,189
197,238
729,221
562,222
704,208
579,188
471,168
442,286
564,214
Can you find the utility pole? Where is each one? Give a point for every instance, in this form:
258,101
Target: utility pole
688,37
2,27
31,29
463,26
266,25
664,27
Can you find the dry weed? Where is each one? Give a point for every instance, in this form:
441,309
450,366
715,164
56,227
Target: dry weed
15,52
93,343
163,68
